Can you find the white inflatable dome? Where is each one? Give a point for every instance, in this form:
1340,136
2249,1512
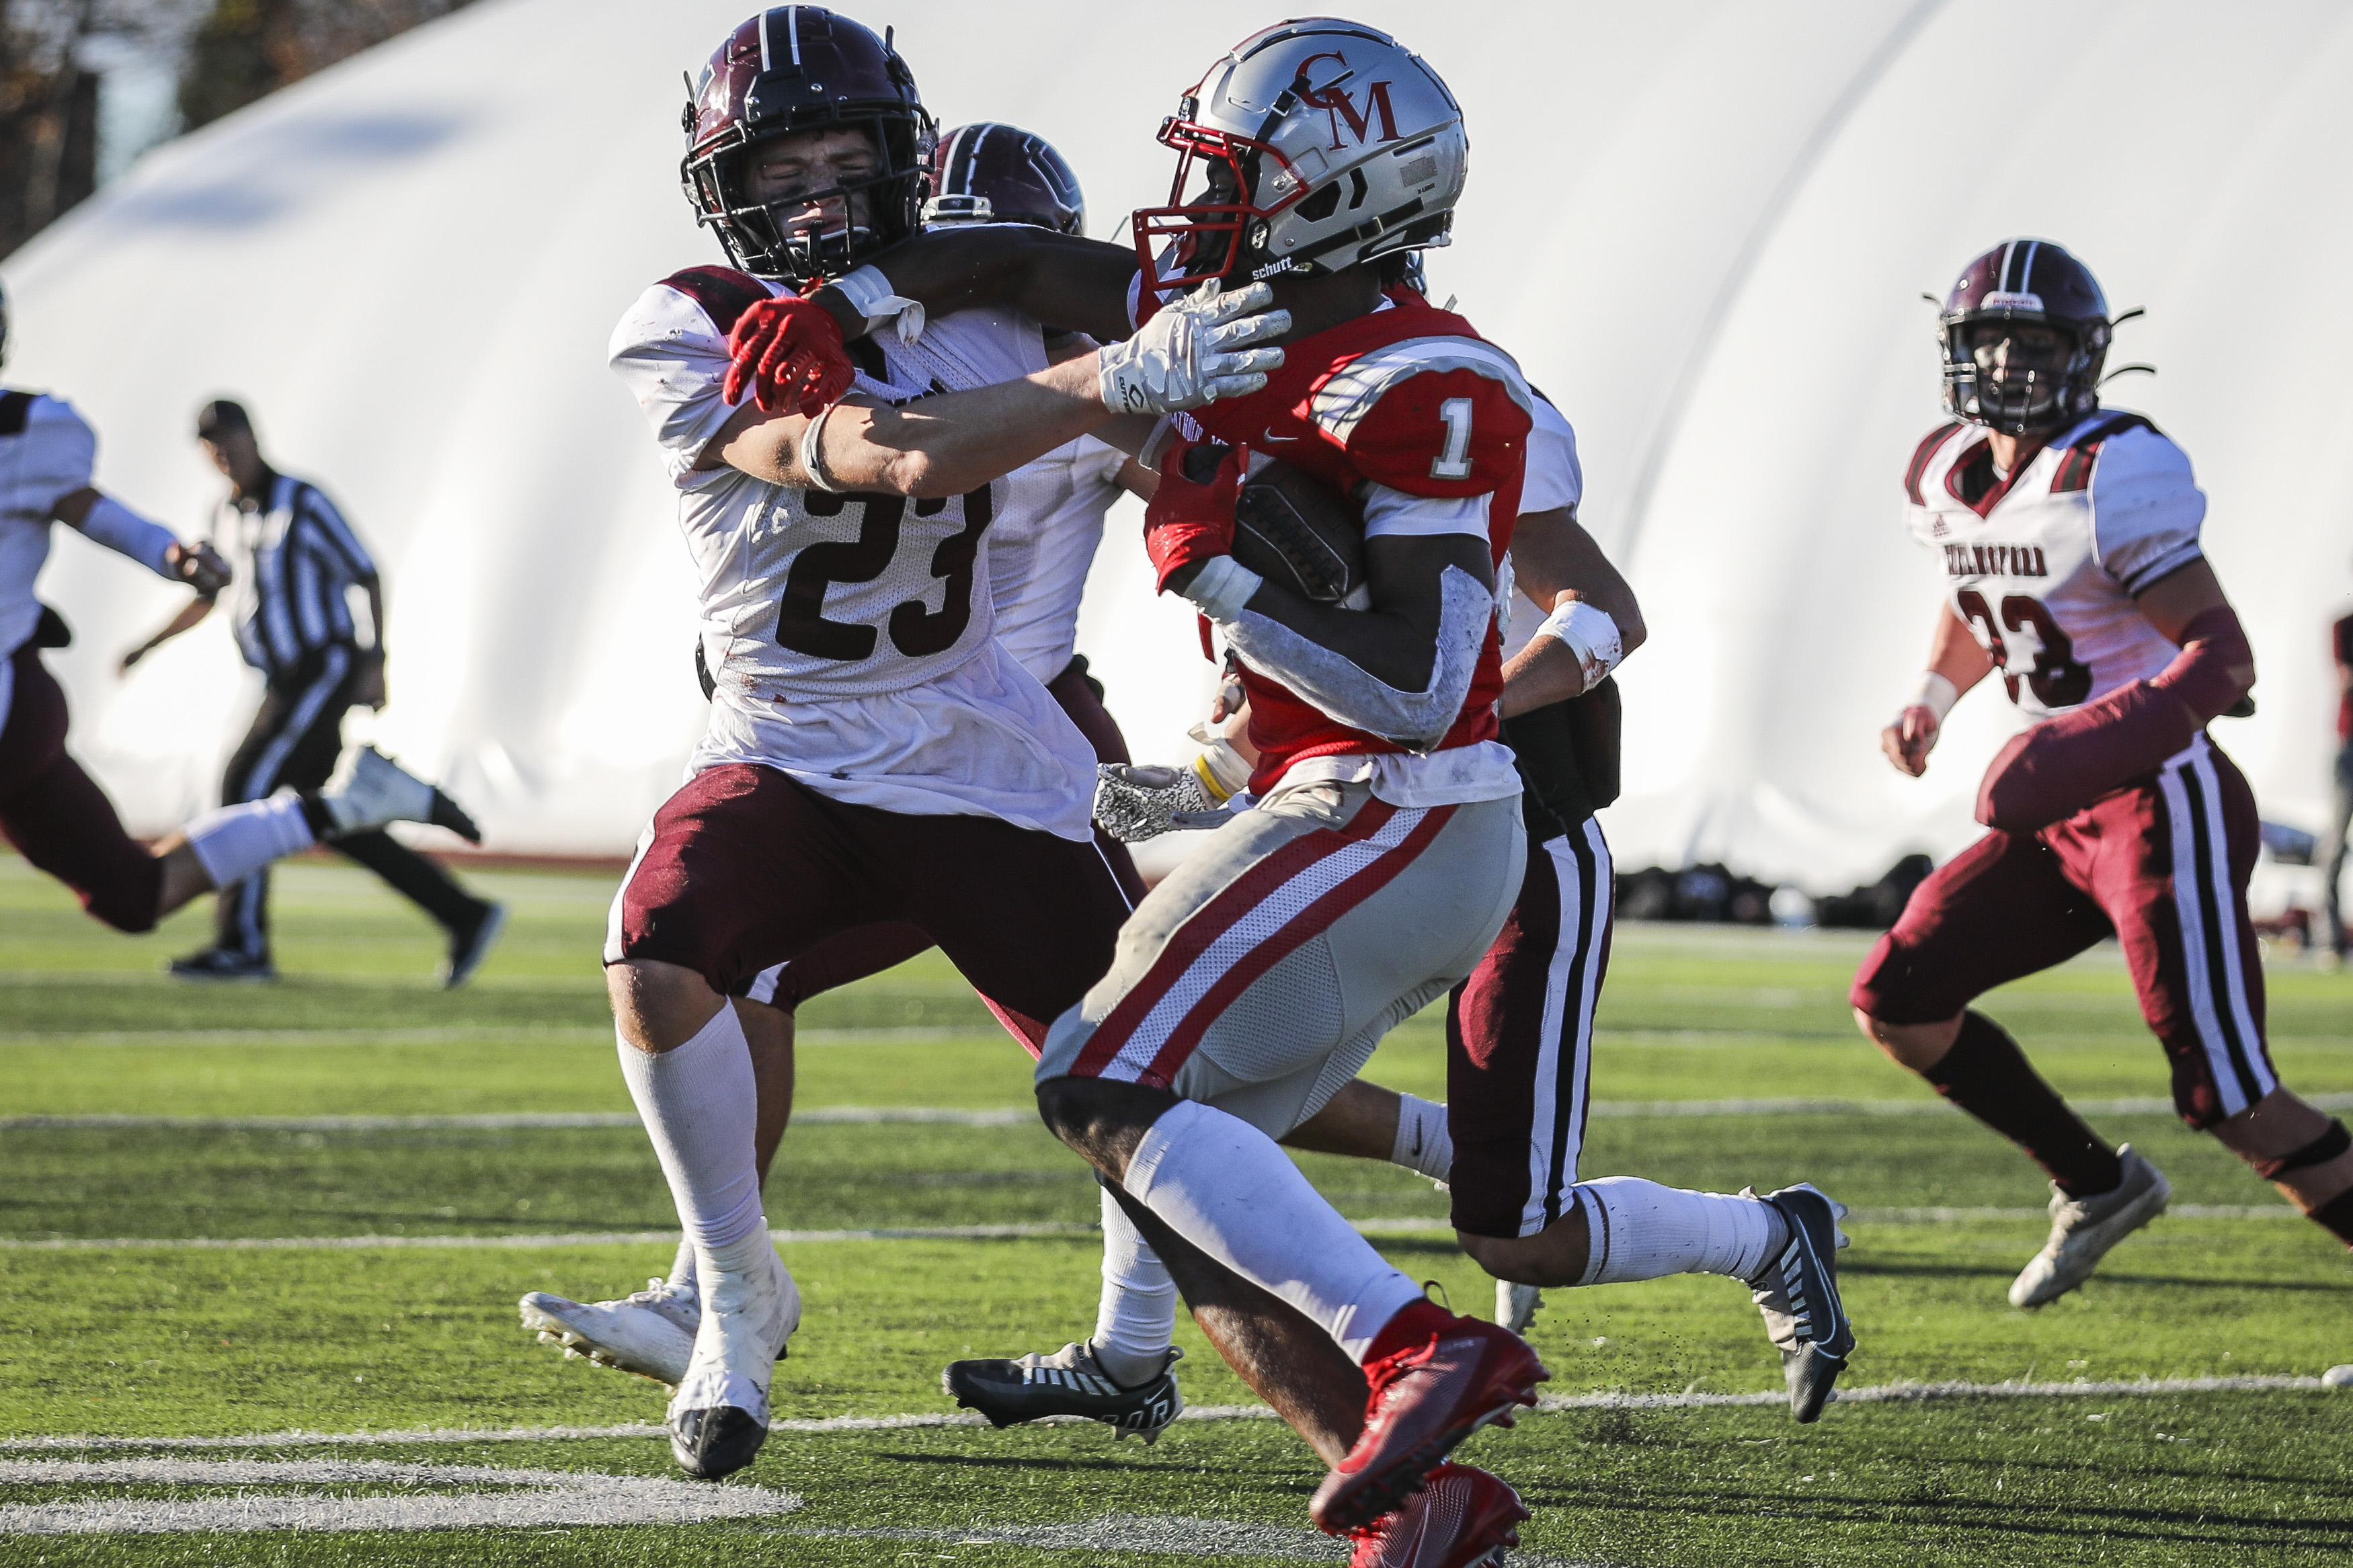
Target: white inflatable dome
1705,228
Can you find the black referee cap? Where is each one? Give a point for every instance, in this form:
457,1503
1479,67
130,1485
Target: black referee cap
221,414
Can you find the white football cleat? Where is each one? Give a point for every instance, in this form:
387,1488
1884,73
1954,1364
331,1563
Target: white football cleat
370,789
719,1414
2083,1229
648,1333
1515,1305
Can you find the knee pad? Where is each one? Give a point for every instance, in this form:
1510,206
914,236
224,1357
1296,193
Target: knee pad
2319,1151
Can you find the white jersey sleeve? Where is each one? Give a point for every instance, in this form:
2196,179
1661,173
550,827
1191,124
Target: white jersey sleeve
1554,477
2146,508
673,355
1040,550
46,452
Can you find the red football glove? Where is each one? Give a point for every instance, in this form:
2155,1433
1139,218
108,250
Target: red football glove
788,353
2057,768
1188,521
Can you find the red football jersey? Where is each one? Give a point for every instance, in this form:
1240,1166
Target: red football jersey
1410,397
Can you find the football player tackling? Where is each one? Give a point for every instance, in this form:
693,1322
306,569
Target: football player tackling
2068,535
873,753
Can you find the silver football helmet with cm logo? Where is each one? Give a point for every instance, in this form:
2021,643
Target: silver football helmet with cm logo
1313,146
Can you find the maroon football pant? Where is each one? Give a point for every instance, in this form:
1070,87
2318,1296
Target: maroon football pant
2163,866
856,954
745,869
58,817
1519,1038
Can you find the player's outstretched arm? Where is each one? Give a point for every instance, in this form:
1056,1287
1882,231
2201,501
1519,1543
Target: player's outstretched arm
1399,668
101,517
1559,566
1956,663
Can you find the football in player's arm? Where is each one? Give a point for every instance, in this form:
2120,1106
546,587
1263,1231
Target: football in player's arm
2069,539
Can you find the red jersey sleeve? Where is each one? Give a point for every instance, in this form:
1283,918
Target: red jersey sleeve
1444,416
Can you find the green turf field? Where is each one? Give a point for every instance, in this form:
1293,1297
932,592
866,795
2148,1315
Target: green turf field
388,1309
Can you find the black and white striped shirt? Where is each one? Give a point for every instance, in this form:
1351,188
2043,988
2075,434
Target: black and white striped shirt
295,558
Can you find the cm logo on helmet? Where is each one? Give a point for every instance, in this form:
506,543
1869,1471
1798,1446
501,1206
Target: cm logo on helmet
1335,101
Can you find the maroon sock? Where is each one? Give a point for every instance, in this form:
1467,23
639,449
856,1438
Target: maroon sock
2335,1216
1988,1076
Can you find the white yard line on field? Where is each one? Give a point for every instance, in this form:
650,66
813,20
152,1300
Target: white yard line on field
522,1497
1689,1399
533,1034
1013,1115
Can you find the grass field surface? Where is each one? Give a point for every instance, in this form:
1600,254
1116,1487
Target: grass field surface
245,1327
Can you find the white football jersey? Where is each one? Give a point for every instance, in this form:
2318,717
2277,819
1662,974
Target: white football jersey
46,451
2042,564
1043,544
807,594
849,636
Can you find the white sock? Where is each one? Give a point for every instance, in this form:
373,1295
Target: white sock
1642,1230
698,1104
682,1267
1423,1142
234,842
1136,1320
1229,1190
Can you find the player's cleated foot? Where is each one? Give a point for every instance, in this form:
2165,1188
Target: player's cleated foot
370,789
220,965
1516,1305
649,1333
2083,1229
1070,1382
1798,1293
1463,1518
719,1415
1426,1399
471,943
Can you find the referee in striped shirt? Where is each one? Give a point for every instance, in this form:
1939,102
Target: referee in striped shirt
297,560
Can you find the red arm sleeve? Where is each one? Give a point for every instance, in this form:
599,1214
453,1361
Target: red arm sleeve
2059,767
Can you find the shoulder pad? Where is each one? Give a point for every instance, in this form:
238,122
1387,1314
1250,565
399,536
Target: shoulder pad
1923,455
1430,417
722,292
2075,471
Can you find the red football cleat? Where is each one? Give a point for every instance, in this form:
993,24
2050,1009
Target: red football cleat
1462,1519
1427,1397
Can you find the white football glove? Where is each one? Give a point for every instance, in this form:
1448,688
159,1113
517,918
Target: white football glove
1185,355
1136,803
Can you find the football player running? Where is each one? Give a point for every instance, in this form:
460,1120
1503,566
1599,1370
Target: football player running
52,811
873,755
2068,535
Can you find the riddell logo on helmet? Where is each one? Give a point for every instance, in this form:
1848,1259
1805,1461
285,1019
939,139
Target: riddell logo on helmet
2011,302
1335,101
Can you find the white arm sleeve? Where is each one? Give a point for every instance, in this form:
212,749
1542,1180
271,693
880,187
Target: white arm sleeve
2146,508
1341,688
120,529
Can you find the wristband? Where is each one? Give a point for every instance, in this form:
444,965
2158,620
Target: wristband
1935,693
813,453
1221,587
1588,633
871,295
118,528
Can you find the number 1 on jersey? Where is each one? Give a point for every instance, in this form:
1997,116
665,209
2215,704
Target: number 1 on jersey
1454,461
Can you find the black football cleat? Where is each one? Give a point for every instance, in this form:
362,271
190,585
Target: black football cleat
223,966
1070,1382
1798,1293
709,1445
471,943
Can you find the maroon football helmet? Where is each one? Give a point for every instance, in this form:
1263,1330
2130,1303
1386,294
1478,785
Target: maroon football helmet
990,172
2025,331
803,67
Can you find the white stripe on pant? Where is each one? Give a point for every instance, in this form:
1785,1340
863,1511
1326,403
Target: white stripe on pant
1582,867
2206,900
